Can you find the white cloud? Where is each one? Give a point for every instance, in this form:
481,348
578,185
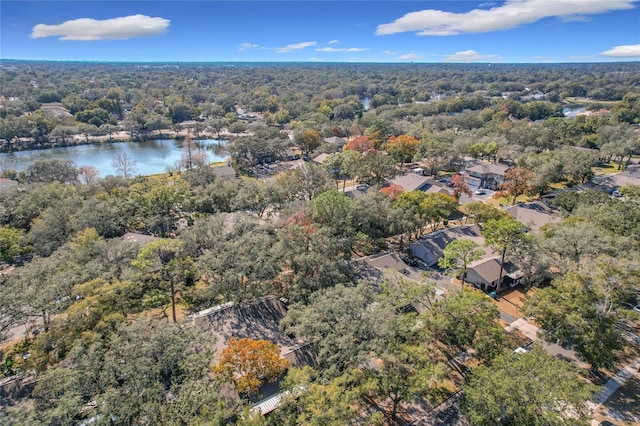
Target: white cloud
627,51
334,42
247,46
511,14
471,56
389,52
408,57
346,49
296,46
87,29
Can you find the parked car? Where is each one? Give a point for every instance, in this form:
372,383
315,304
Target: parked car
480,192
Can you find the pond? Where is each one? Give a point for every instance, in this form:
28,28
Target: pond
573,111
151,157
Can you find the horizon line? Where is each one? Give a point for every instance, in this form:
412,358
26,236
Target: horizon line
177,62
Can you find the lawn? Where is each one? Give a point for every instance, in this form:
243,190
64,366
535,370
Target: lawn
608,168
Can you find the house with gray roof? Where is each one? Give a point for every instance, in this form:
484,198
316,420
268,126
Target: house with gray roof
430,246
224,172
534,215
259,320
485,175
338,142
486,274
416,182
320,158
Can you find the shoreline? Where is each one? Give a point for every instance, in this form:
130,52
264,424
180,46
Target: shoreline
28,144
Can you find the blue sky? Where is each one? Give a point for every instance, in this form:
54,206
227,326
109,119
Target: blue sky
322,31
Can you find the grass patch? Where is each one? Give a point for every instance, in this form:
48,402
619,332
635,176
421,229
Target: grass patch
608,168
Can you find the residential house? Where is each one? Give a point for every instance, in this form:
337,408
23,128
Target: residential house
416,182
373,269
337,142
259,319
534,96
225,172
320,158
429,247
534,215
288,154
486,275
485,175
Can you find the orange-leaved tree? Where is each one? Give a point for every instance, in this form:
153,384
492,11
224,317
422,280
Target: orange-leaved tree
392,191
248,363
360,144
403,147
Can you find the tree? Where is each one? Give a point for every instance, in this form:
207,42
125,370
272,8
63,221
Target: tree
124,165
517,181
527,389
249,362
334,209
52,170
482,213
161,259
460,187
336,324
503,235
375,167
458,254
582,310
134,376
314,402
360,144
88,174
402,148
309,141
468,319
10,243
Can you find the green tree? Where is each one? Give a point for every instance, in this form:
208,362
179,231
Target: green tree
527,389
482,213
457,255
334,209
161,260
465,320
52,170
314,402
503,235
10,243
135,376
336,324
582,311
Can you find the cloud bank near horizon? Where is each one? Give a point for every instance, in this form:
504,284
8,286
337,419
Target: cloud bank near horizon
511,14
88,29
625,51
471,56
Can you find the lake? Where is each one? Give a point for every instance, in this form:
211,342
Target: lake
151,156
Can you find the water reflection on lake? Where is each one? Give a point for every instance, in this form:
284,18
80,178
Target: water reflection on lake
151,156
